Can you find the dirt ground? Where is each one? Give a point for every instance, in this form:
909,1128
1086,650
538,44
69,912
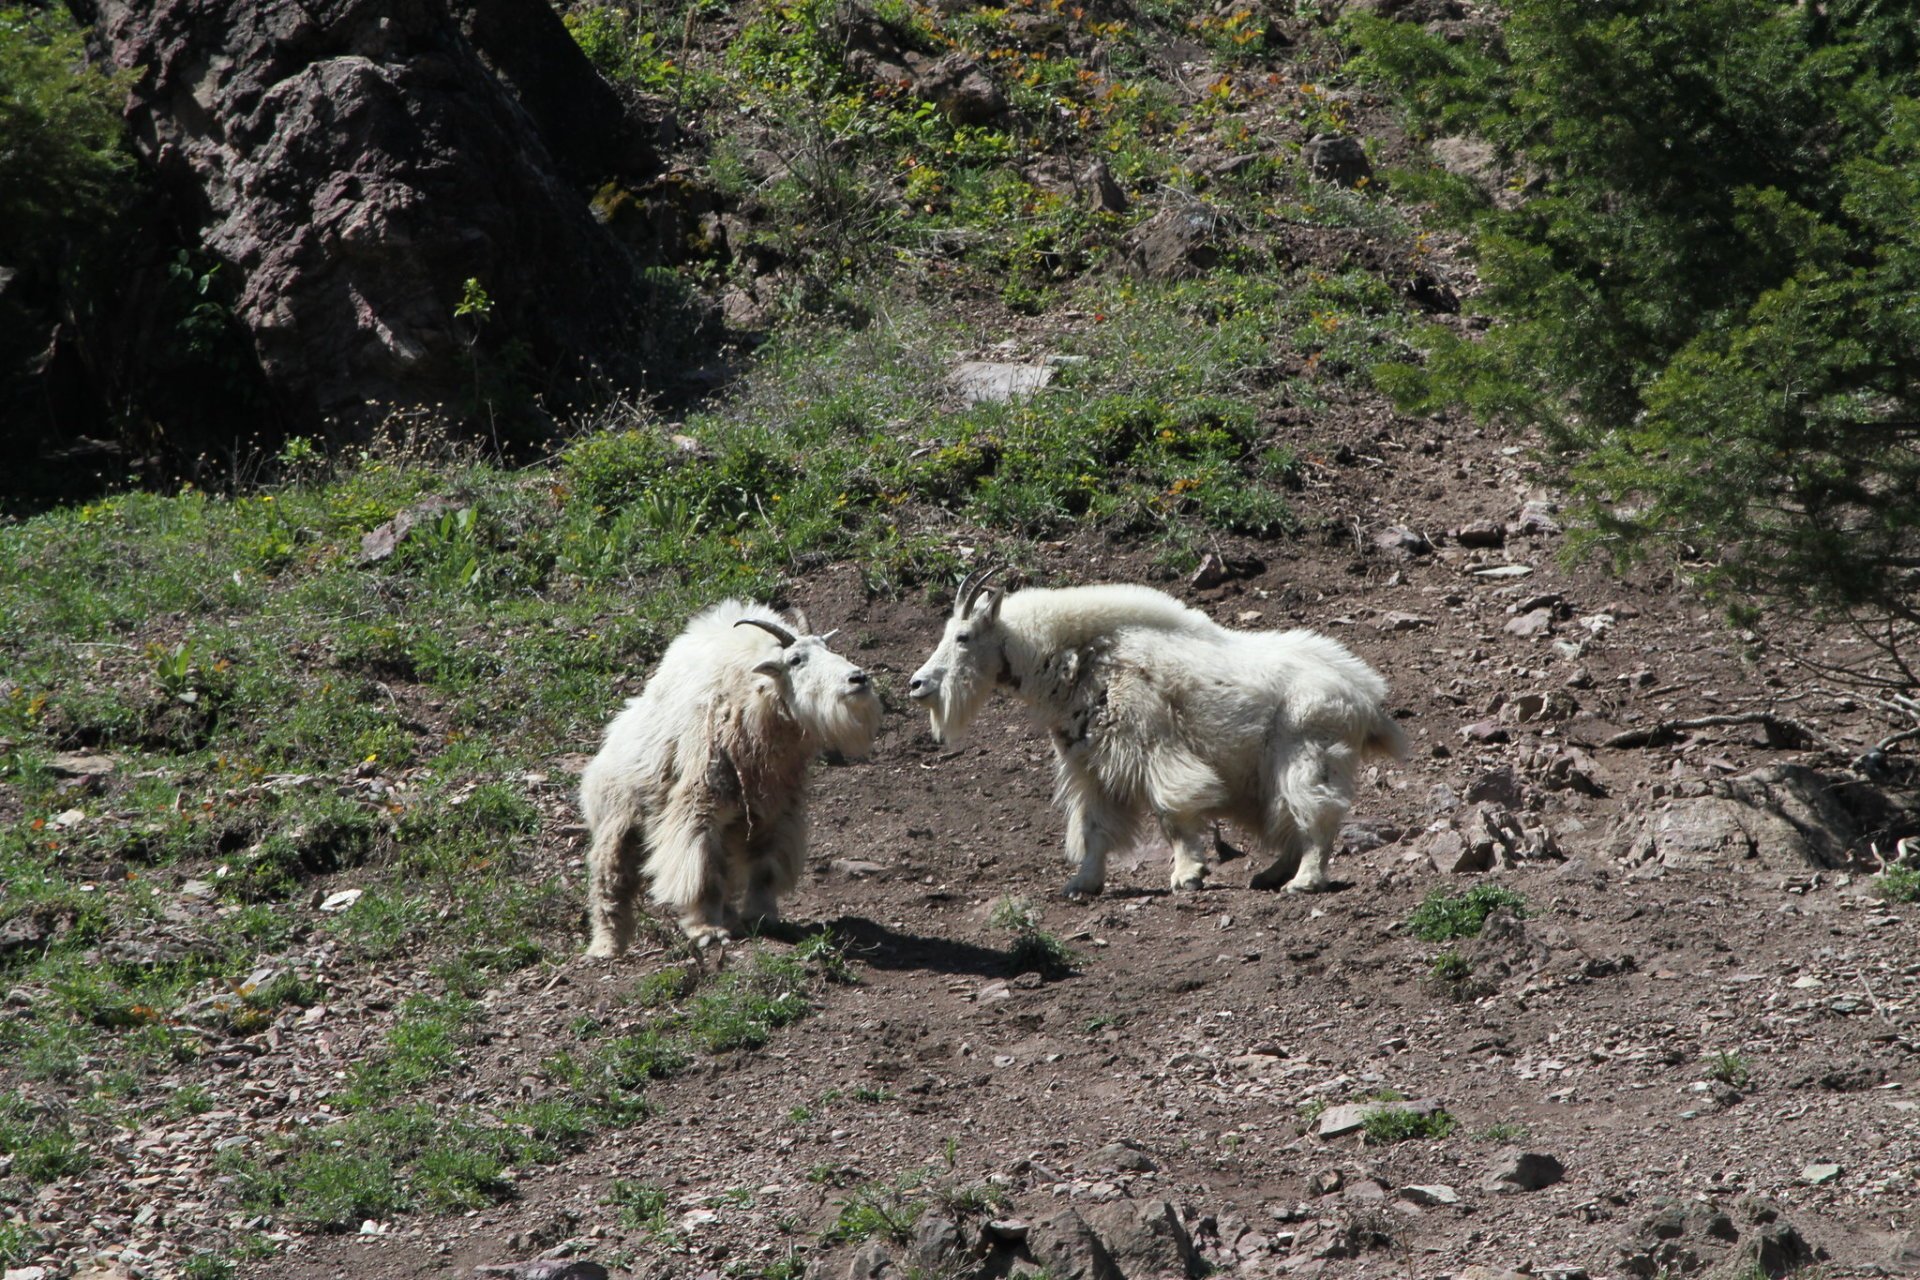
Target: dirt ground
1198,1026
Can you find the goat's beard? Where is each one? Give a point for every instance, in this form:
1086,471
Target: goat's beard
848,724
960,699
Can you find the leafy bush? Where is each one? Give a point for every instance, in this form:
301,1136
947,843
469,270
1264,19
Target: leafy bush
1705,294
1398,1124
1444,916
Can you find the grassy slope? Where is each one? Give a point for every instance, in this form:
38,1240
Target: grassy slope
282,714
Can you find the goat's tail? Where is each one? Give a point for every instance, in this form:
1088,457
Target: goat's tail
1385,737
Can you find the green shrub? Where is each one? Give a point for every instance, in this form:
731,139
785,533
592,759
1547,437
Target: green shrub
1702,298
1898,884
1444,916
1397,1124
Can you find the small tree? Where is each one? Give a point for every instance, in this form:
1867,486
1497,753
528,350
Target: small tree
1705,288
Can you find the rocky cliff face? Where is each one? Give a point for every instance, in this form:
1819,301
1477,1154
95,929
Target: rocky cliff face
357,161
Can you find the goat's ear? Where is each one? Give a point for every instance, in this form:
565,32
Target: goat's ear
770,667
988,609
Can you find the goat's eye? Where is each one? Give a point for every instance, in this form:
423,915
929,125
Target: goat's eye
963,637
797,660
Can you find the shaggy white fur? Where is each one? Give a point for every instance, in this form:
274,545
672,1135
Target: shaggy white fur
1157,711
703,777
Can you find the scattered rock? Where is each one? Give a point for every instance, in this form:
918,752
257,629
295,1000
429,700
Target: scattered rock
870,1261
1430,1195
1780,818
1481,533
1514,1170
1176,244
1124,1157
1819,1175
1069,1249
1397,621
546,1269
1489,732
80,764
1099,190
1397,540
1351,1117
979,381
1335,157
1453,854
340,900
1146,1238
962,90
1532,624
1497,786
1326,1182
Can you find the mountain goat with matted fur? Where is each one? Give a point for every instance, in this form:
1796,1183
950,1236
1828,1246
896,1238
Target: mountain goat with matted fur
701,785
1158,711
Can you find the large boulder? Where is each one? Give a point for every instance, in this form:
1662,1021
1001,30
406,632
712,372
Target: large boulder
1779,818
355,162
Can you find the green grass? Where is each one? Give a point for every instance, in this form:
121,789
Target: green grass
1032,949
1898,884
1502,1131
1443,916
1397,1124
1730,1068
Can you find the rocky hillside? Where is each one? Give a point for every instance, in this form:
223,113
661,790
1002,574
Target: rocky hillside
1617,977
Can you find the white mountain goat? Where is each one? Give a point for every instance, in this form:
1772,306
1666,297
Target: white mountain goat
1157,710
703,777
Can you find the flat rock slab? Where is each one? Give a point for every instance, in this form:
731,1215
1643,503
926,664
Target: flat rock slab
1338,1121
978,380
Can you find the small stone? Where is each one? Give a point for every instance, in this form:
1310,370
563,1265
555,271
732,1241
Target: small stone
1480,533
1398,540
1532,624
1497,572
1124,1157
1819,1175
78,764
1325,1183
340,901
1397,621
1490,732
1433,1194
853,868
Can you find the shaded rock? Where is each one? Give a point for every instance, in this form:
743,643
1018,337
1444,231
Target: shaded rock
1099,190
1780,818
870,1261
1453,854
962,90
939,1246
1498,786
1401,541
1481,533
1124,1157
23,932
1490,732
1535,519
1069,1249
545,1269
1146,1238
1335,157
1514,1170
355,163
1676,1239
1176,244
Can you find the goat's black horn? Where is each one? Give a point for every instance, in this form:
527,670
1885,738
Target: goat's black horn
976,583
774,629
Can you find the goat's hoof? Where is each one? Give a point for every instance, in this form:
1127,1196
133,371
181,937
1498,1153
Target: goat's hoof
1189,882
602,951
1076,890
707,936
1297,885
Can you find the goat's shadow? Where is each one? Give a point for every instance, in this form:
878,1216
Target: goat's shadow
873,943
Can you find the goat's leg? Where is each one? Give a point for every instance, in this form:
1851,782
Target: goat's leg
690,867
1286,859
1319,790
775,859
1189,843
613,884
1093,829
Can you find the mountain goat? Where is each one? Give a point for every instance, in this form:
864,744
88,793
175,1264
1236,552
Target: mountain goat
1155,709
704,775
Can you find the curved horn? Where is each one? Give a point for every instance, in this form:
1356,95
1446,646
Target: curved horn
976,583
774,629
800,621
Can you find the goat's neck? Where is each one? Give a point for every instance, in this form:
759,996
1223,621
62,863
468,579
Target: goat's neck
1035,670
